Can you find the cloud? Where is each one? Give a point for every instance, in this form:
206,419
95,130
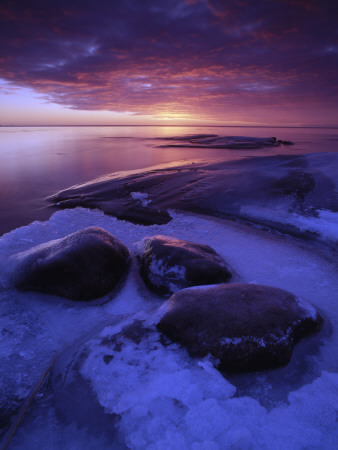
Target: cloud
204,56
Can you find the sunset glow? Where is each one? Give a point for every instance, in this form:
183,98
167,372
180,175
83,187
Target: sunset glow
187,61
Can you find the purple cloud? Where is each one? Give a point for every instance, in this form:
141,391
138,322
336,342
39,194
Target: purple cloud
203,56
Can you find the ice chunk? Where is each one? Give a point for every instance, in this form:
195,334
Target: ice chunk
142,197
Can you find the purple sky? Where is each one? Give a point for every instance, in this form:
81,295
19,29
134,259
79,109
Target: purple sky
198,61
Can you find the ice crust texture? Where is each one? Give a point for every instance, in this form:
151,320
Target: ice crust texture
181,402
243,326
168,264
295,194
84,265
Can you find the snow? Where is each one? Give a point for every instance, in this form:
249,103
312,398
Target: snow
310,310
159,271
325,225
142,197
156,396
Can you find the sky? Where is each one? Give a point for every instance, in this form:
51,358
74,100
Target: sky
222,62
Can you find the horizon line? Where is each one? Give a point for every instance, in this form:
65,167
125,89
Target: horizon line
173,125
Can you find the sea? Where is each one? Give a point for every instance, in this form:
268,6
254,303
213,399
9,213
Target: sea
36,162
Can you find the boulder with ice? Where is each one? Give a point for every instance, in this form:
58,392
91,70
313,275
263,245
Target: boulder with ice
245,327
168,264
84,265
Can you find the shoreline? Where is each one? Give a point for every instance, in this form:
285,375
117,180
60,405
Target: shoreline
255,256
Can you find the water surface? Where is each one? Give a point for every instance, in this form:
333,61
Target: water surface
35,162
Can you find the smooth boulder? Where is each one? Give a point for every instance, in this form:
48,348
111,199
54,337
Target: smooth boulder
168,264
82,266
245,327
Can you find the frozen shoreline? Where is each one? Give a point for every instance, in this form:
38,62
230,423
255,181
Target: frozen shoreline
148,393
256,257
296,195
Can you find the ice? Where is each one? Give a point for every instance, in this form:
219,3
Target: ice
294,194
152,393
324,225
142,197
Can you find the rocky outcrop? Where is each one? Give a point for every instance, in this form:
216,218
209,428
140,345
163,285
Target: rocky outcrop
82,266
276,191
168,264
231,142
245,327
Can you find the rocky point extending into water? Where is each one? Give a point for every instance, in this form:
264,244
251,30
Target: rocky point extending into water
232,142
294,194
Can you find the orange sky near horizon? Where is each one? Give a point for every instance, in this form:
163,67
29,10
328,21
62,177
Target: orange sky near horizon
24,107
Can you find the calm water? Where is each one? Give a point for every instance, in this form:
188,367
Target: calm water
36,162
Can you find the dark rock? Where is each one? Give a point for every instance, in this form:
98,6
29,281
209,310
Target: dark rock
245,327
296,183
189,137
142,216
280,141
215,141
108,358
82,266
122,210
135,332
168,264
239,189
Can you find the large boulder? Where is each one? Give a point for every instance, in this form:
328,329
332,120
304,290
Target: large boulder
168,264
244,326
82,266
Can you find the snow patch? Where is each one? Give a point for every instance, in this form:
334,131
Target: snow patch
325,224
159,267
309,309
141,197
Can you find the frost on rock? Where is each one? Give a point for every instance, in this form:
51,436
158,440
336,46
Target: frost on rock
165,399
142,197
244,326
168,264
295,194
158,395
82,266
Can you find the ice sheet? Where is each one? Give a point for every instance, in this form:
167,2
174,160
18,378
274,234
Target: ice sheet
162,397
294,194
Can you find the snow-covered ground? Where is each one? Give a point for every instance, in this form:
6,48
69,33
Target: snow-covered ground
107,391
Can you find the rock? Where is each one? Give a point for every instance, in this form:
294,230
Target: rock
280,141
297,183
82,266
215,141
141,215
245,327
168,264
120,208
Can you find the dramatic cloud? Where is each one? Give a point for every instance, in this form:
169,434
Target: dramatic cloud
198,57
